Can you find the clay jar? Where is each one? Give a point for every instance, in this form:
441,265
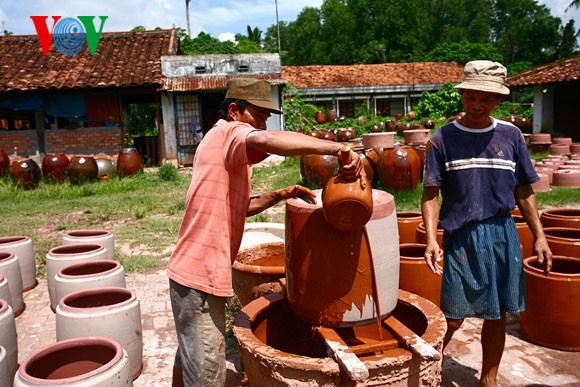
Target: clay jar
100,237
257,270
369,158
347,134
4,163
10,271
416,136
320,117
561,217
407,222
82,169
415,276
331,115
25,173
563,241
553,324
318,169
378,140
54,167
105,167
8,338
399,168
566,178
328,135
129,162
525,235
23,249
422,234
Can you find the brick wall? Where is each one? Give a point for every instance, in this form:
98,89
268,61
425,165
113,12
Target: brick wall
25,140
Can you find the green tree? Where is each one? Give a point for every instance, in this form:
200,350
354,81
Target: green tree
303,39
206,44
445,102
463,52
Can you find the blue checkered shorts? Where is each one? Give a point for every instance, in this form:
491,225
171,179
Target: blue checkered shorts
483,272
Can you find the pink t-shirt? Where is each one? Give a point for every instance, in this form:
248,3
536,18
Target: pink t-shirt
215,211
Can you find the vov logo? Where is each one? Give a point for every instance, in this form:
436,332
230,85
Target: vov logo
68,34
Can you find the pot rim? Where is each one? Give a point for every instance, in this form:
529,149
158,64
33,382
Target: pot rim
259,269
91,248
3,305
8,257
556,213
115,266
13,240
63,303
559,238
566,277
87,233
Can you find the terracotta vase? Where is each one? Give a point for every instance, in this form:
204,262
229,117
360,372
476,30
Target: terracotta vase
569,178
407,222
318,169
320,117
78,362
383,140
563,241
4,163
369,158
428,124
331,115
82,170
10,270
415,276
54,167
8,338
88,275
105,167
257,271
22,247
399,168
100,237
416,136
129,162
114,313
25,173
554,324
560,217
422,234
65,255
5,377
525,235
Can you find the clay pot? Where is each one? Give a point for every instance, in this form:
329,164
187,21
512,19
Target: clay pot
257,271
562,140
100,237
315,133
5,379
407,222
318,169
540,148
54,167
379,140
525,235
575,147
399,168
376,129
553,324
542,185
88,275
4,163
25,173
390,126
428,124
105,167
82,170
347,134
416,136
21,247
422,234
561,217
320,117
331,115
554,165
111,312
5,291
421,151
82,362
328,135
545,171
257,233
10,271
400,127
566,178
415,276
129,162
65,255
399,117
369,158
8,338
560,149
563,241
541,138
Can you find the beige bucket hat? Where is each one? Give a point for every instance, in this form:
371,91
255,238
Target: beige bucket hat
255,91
484,75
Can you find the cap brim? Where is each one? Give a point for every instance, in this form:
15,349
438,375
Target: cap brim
266,105
484,86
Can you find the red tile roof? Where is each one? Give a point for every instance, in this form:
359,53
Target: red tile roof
384,74
123,59
561,71
213,82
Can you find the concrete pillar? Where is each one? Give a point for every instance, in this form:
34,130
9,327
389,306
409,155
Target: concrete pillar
168,134
543,108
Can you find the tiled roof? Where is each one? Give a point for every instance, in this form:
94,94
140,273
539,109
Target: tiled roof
561,71
123,59
384,74
213,82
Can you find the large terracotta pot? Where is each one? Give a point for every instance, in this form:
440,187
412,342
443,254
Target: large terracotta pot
65,255
541,138
561,217
257,271
8,337
22,247
4,163
566,178
369,158
560,149
415,276
110,312
554,323
407,222
5,379
54,167
318,169
78,362
25,173
399,168
563,241
422,234
320,117
347,134
100,237
384,140
129,162
5,290
82,169
525,235
10,270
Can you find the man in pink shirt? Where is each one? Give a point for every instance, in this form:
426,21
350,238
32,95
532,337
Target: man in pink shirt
218,200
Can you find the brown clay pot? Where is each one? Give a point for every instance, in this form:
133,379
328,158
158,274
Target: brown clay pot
561,217
566,178
563,241
428,124
82,169
541,138
318,169
416,136
347,134
422,234
390,126
54,167
320,117
539,148
560,149
328,135
542,185
553,324
408,221
575,147
400,127
525,235
369,158
129,162
4,162
562,140
399,168
414,274
331,115
25,173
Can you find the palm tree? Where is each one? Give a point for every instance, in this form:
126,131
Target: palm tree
254,35
187,16
573,3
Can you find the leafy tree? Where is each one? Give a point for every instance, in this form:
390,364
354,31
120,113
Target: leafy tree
206,44
463,52
445,102
303,39
138,28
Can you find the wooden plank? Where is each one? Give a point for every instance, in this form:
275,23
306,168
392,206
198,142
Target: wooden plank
411,340
374,347
346,359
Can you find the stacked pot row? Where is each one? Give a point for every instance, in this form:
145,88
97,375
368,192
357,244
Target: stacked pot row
558,171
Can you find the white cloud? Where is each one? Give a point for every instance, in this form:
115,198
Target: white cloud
227,36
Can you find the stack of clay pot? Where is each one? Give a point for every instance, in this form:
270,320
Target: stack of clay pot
540,142
558,170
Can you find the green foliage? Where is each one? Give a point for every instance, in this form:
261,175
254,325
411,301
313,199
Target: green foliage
445,102
168,172
141,120
206,44
298,115
463,52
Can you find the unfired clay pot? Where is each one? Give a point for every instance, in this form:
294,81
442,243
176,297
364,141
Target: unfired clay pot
554,323
22,247
10,270
415,276
54,167
541,138
110,312
546,171
560,149
399,168
384,140
5,379
407,222
542,185
5,290
25,173
100,237
129,162
561,217
566,178
562,140
257,271
78,362
563,241
318,169
8,337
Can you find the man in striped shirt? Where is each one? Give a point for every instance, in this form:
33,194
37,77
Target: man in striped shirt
482,169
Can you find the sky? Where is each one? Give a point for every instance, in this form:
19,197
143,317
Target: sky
219,18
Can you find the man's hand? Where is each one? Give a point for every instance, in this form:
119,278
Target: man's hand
434,255
351,166
297,191
544,255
